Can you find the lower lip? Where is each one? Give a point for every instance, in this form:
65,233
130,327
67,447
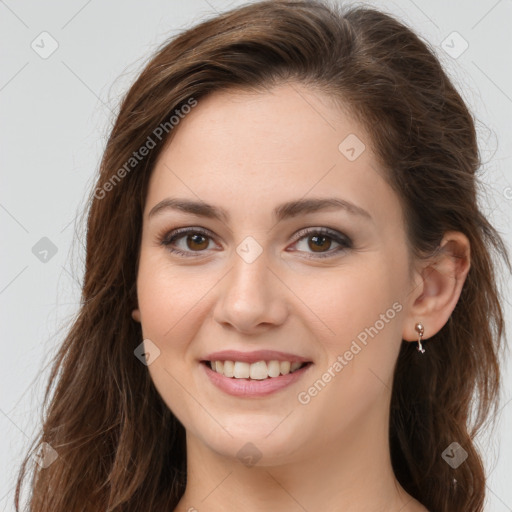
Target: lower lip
253,388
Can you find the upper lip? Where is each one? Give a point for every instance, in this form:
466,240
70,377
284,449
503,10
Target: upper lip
253,357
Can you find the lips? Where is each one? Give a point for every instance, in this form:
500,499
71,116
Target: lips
253,388
254,374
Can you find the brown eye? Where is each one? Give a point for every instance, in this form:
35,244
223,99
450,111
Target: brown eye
197,242
187,242
319,243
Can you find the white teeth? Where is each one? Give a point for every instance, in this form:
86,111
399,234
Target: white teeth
229,369
284,367
274,368
294,366
257,371
242,370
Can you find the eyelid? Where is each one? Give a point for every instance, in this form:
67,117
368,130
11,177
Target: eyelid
324,230
345,243
185,230
178,233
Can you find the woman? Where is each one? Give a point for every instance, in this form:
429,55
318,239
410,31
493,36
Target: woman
290,299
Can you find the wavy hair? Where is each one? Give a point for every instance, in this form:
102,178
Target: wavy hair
119,446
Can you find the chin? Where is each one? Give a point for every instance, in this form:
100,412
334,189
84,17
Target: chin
263,443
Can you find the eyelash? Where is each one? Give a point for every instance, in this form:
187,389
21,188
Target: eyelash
345,242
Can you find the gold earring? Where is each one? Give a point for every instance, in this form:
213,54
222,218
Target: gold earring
420,330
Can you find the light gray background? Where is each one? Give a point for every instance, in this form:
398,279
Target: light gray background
56,113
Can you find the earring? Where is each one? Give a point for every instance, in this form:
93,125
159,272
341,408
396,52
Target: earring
420,330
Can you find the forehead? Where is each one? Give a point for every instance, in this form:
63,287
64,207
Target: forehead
250,151
285,121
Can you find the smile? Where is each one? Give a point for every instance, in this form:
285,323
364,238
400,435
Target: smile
253,380
259,370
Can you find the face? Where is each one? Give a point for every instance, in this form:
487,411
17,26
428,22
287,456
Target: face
325,285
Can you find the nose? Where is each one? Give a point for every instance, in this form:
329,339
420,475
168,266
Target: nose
251,297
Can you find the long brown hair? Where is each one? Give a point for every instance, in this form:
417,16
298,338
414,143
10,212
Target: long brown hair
119,447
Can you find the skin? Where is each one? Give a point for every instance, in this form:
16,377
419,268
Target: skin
249,152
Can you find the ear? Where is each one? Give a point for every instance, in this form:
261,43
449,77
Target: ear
437,286
134,302
136,315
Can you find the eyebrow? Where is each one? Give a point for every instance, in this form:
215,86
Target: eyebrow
284,211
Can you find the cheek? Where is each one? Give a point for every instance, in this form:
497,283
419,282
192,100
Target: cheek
362,309
168,298
169,301
350,300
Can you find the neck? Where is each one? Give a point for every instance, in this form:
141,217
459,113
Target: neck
353,475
